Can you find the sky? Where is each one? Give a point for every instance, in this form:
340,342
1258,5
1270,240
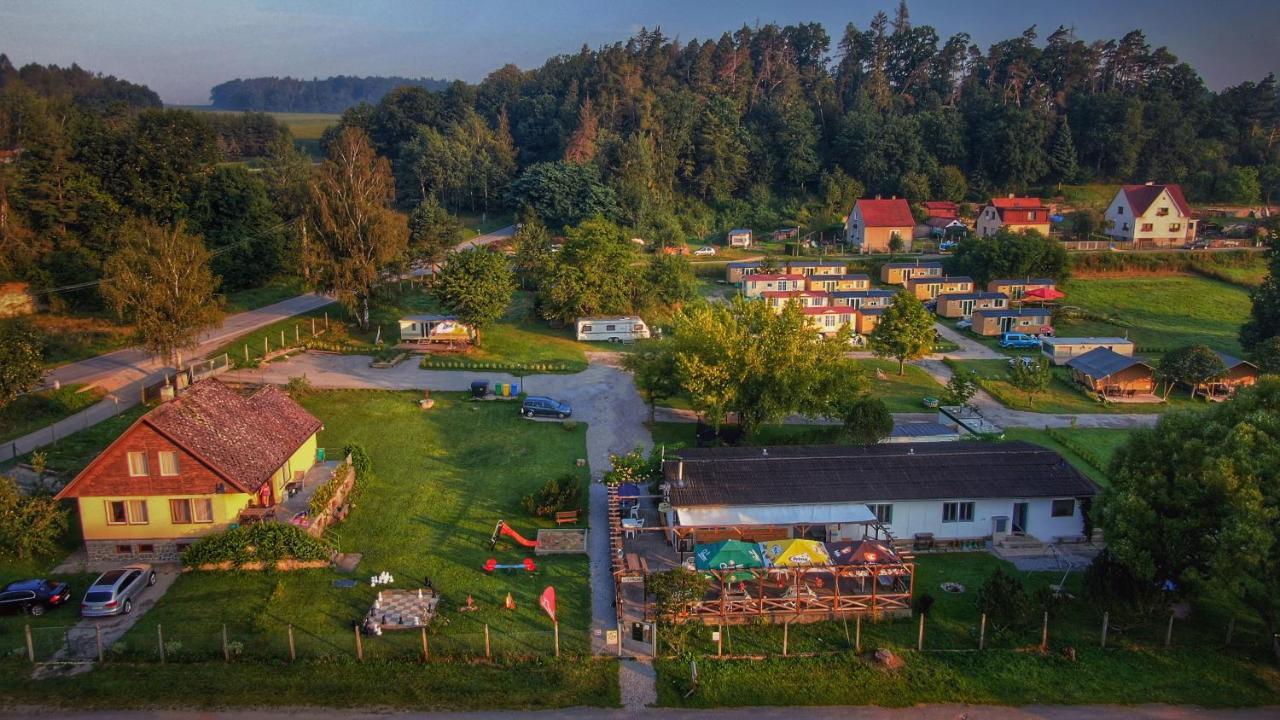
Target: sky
181,48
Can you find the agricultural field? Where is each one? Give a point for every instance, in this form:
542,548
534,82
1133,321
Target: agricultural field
1134,668
1158,313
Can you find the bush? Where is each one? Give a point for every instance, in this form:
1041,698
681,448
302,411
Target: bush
923,604
557,495
298,386
260,542
1004,601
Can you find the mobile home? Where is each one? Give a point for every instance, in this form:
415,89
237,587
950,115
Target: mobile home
613,328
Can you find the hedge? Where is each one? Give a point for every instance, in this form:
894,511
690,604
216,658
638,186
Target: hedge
265,542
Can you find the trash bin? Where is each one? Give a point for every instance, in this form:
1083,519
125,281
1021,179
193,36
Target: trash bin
319,455
479,388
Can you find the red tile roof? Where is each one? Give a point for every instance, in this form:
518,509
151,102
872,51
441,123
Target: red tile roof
886,213
793,293
829,310
942,209
1140,197
1021,203
245,440
773,276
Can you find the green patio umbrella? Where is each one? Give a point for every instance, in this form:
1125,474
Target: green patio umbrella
728,555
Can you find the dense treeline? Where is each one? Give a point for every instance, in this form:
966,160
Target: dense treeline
330,95
86,90
95,168
770,123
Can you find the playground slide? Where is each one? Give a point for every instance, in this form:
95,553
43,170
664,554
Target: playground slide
507,530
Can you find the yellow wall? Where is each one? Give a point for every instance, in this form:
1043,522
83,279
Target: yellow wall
93,517
301,461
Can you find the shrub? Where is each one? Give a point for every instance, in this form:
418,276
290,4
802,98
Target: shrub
1004,601
556,495
569,425
262,542
298,386
923,604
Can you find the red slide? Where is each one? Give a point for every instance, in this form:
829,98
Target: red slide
505,529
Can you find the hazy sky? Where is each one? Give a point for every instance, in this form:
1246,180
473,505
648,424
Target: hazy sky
181,48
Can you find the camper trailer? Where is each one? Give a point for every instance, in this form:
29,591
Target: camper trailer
612,328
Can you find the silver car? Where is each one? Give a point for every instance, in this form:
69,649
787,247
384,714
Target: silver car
114,590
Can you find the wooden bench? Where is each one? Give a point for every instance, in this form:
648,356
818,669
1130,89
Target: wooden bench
568,517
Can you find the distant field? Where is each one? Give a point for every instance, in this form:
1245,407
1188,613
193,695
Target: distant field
1094,195
1159,313
306,127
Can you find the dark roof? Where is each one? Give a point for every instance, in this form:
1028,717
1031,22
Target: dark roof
1024,281
972,296
1101,362
937,280
246,439
921,429
1230,361
862,293
1014,312
1141,196
746,264
906,471
903,265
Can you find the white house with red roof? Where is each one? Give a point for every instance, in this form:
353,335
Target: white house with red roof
874,223
1016,213
1150,215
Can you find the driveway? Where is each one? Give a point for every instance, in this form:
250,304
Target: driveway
82,638
487,238
603,396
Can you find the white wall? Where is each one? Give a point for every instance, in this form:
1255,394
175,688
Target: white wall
925,516
1159,225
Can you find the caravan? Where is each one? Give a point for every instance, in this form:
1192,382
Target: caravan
612,328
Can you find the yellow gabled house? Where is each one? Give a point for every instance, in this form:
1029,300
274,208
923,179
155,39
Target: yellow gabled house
189,468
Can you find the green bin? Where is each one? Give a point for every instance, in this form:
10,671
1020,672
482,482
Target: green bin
319,455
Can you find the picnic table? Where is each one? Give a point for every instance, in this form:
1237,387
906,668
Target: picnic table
251,515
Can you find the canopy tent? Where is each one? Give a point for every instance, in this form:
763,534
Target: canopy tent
816,514
862,552
795,552
728,555
628,492
1044,293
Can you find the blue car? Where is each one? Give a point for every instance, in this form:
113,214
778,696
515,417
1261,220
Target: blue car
534,405
1019,340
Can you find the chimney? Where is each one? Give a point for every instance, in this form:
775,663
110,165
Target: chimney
1011,196
1150,182
877,197
680,474
764,452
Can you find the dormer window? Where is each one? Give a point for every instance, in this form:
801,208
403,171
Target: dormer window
1162,212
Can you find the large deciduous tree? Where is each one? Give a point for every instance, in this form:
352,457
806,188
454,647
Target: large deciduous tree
595,273
476,284
904,332
1026,254
433,232
1031,376
563,193
21,358
30,525
1264,316
160,280
231,210
1191,365
354,235
654,370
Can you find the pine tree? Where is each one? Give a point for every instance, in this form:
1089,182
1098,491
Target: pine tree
1062,153
581,148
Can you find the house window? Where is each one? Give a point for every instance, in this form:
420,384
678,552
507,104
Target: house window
138,464
182,547
883,512
1147,227
1124,226
168,463
1119,211
192,510
1065,507
1175,227
117,513
1031,215
124,549
146,548
957,512
137,512
1162,212
586,328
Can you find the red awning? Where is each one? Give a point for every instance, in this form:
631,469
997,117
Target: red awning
1044,294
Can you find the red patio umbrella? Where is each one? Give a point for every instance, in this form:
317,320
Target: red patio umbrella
1046,293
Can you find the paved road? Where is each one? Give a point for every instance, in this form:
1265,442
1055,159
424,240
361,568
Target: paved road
603,396
919,712
487,238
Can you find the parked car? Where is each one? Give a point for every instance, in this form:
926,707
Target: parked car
964,324
1019,340
705,250
34,596
545,406
1024,359
947,245
114,591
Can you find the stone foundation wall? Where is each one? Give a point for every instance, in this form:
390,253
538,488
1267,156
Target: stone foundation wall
152,551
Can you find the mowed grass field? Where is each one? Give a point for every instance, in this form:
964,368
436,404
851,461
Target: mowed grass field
1159,313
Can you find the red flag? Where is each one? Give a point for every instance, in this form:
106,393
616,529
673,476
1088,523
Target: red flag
548,602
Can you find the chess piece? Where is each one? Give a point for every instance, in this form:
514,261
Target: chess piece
511,602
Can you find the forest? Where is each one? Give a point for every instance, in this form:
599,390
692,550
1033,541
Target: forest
330,95
670,140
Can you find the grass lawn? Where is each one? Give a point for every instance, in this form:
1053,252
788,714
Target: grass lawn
521,338
35,410
443,479
474,224
69,455
1134,669
1159,313
1099,444
70,338
1093,195
901,393
273,292
1063,395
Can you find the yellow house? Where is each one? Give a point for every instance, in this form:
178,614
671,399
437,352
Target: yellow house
189,468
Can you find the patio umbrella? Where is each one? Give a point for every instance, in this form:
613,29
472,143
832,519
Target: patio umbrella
628,491
1045,293
795,553
728,555
862,552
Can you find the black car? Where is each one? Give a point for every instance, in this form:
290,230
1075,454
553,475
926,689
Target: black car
34,596
545,406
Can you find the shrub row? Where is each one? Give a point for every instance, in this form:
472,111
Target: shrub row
362,466
261,542
446,363
1085,453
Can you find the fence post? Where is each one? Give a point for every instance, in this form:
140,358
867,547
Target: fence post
655,639
556,628
226,651
982,632
1168,631
313,327
282,338
857,633
1106,621
1231,628
720,640
1044,633
246,353
266,347
296,336
920,637
359,644
293,650
326,319
786,631
31,646
160,641
97,633
486,640
426,649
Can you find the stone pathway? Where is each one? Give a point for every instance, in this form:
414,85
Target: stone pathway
637,680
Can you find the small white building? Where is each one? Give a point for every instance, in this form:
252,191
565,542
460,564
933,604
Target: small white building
612,328
1061,349
421,329
946,490
1150,216
739,238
